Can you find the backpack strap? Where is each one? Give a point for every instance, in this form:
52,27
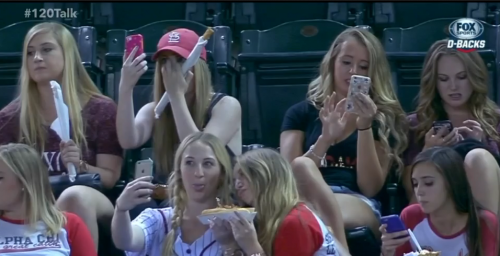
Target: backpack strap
165,224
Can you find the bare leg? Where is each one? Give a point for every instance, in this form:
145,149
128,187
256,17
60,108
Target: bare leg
90,205
357,213
483,174
319,195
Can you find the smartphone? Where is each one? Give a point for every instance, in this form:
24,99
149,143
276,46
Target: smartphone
437,125
394,224
358,84
133,41
143,168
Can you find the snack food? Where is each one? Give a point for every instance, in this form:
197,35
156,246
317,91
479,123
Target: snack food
225,209
160,192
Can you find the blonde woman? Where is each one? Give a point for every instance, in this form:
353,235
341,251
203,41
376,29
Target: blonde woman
50,53
348,154
30,223
193,105
454,87
202,172
286,226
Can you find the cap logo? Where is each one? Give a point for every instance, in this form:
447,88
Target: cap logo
173,37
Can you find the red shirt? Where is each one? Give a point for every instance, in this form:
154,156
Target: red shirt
302,233
449,245
73,239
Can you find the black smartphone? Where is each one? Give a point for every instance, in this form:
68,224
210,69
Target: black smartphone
437,125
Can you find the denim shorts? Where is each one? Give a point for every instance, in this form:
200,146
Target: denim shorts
374,204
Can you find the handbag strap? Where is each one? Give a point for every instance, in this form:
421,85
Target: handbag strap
165,224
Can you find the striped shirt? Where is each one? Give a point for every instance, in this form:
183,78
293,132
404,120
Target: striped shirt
157,222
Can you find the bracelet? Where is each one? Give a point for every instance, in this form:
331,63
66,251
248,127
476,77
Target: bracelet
321,159
364,129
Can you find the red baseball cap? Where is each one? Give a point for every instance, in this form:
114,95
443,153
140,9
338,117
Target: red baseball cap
181,41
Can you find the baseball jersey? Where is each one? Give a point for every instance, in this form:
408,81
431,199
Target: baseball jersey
16,239
449,245
303,233
157,222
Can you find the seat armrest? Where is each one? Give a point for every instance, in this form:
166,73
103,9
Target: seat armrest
252,147
392,191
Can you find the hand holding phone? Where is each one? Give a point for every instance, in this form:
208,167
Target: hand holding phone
358,84
443,124
394,224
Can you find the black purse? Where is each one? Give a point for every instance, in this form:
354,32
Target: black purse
61,182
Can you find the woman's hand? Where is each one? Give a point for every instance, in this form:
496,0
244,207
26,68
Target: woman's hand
333,119
70,153
244,233
136,192
132,70
441,138
391,241
473,130
175,83
365,109
223,233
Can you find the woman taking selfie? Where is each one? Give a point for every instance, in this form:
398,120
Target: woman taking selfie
285,226
348,153
202,172
50,53
446,218
454,90
30,223
193,104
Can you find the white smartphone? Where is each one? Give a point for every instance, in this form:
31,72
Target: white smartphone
143,168
358,84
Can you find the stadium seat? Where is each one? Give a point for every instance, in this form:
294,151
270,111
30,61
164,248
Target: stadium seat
11,46
485,11
258,15
276,65
406,49
126,16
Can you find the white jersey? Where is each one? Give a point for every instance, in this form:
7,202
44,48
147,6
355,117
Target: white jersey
157,222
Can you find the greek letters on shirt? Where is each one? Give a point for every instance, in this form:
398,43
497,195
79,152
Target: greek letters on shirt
53,161
28,243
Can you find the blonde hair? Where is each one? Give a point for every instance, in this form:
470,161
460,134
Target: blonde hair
271,178
430,107
165,136
177,192
39,201
390,116
76,84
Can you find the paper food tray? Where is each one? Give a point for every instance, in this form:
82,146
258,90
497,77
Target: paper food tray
226,216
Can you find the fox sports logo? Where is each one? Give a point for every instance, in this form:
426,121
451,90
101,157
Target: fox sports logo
465,32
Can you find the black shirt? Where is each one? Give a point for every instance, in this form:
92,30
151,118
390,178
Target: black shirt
340,158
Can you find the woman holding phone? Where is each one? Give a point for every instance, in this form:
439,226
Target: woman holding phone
454,90
346,153
446,218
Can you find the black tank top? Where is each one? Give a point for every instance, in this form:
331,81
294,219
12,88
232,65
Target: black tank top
215,99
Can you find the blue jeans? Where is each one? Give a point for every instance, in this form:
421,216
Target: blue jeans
374,204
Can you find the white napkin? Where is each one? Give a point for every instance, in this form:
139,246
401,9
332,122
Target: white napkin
62,121
186,66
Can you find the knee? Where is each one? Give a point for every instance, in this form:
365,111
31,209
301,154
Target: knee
74,199
480,160
303,166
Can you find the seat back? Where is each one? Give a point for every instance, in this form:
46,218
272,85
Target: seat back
257,15
276,67
406,49
125,15
11,48
218,56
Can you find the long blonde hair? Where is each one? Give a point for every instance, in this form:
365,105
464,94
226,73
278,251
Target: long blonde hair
165,136
271,178
77,87
39,200
390,115
177,192
430,106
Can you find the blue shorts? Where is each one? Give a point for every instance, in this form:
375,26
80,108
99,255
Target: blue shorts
374,204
